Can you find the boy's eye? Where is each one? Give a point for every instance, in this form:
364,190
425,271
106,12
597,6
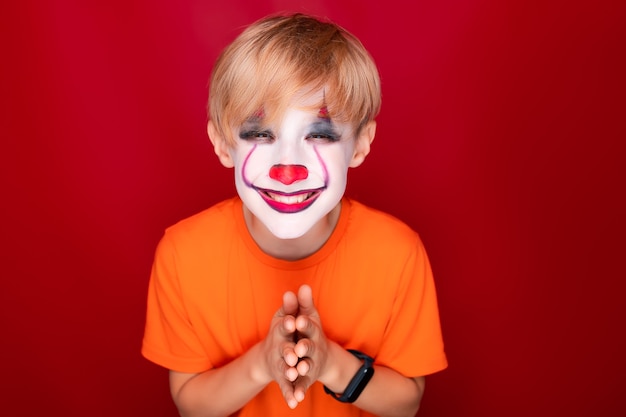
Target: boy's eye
262,136
323,137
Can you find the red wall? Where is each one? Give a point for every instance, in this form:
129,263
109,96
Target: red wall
501,141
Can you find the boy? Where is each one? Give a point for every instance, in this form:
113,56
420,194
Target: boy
291,299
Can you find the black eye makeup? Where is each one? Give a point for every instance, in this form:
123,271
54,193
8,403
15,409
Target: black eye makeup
323,131
255,132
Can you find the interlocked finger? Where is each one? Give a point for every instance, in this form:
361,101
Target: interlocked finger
304,348
303,367
289,354
287,388
301,386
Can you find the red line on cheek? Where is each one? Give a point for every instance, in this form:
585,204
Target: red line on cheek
319,158
243,167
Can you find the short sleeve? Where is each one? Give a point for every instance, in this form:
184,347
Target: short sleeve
413,343
169,337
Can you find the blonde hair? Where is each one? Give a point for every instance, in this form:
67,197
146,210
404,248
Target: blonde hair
279,56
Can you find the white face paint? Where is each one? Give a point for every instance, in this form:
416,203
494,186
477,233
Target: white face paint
291,175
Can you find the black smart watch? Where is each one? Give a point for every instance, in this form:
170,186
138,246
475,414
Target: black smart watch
358,381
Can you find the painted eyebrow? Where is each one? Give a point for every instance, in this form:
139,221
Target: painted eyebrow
253,123
323,125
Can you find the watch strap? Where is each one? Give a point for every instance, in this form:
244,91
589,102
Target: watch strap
358,382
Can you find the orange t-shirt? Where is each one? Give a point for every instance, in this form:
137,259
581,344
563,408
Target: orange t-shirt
213,293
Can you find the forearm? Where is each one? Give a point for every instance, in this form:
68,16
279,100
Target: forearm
388,394
221,391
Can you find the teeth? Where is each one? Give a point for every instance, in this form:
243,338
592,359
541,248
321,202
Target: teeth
289,199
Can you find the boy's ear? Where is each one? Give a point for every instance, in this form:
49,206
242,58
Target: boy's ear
220,146
363,142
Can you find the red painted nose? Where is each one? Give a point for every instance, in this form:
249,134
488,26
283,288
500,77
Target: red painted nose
288,174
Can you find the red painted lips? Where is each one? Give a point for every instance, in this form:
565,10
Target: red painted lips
290,202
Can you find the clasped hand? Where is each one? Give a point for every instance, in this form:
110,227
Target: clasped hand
296,348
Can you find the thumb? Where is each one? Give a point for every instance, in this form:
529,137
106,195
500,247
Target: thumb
290,305
305,300
287,313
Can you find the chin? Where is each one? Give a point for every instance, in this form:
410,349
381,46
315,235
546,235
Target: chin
288,232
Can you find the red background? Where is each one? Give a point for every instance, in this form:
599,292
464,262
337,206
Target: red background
501,141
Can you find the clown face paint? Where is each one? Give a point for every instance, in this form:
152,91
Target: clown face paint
292,174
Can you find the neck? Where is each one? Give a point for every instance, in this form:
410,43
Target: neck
292,249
